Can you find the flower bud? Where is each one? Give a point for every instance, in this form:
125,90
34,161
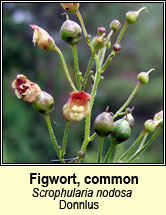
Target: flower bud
44,103
98,42
115,25
101,31
116,47
70,7
150,126
25,89
143,77
77,106
71,32
159,116
121,132
42,38
103,124
81,154
132,16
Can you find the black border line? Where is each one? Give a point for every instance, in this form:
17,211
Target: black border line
86,164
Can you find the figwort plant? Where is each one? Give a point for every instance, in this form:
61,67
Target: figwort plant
79,105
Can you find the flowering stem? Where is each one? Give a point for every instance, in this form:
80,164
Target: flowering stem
65,140
128,100
112,54
103,51
133,145
84,29
88,70
65,68
76,66
53,139
117,152
122,32
133,157
101,140
109,153
88,117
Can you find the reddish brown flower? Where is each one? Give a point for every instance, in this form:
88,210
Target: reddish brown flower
77,106
25,89
42,38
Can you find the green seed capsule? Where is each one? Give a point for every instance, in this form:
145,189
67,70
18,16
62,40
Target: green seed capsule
132,16
71,32
143,77
103,124
44,103
121,132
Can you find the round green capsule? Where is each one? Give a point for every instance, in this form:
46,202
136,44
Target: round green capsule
71,32
121,132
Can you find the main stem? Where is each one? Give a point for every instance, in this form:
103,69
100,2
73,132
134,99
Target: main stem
52,136
65,68
65,140
88,117
76,66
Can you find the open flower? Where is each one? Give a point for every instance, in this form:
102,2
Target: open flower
42,38
77,106
25,89
70,7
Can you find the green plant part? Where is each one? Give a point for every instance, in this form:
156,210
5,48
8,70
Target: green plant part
101,31
132,16
103,124
121,132
98,42
130,119
44,103
116,47
115,25
81,154
143,77
70,7
150,126
71,32
159,116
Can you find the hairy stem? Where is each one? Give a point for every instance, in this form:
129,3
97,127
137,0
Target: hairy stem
65,68
65,140
88,117
88,70
101,140
76,66
52,136
84,29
